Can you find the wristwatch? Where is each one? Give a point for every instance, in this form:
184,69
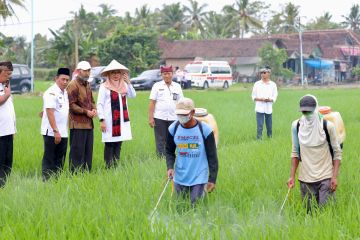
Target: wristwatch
55,131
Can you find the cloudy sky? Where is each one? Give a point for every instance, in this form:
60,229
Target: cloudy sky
53,13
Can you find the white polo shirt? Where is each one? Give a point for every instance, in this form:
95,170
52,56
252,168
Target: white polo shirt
166,98
7,115
264,90
57,99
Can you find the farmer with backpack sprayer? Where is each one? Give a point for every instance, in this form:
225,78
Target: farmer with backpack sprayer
196,162
312,137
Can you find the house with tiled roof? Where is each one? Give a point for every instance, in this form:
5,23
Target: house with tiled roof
335,51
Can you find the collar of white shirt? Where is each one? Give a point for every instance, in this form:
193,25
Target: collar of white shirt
263,82
163,83
58,89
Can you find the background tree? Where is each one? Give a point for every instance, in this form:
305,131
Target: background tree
215,26
195,15
45,55
352,21
134,46
172,16
274,25
106,21
7,8
274,58
144,16
322,22
240,17
15,49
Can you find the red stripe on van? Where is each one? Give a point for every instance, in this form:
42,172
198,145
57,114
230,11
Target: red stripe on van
220,78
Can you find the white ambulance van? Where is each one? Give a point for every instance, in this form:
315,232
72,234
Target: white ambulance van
209,74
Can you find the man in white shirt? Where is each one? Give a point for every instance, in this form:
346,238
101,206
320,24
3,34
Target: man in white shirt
163,98
7,122
264,94
54,124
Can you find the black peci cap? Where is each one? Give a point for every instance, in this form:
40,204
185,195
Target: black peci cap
64,71
307,103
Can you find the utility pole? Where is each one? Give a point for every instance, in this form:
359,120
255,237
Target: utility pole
76,36
32,46
301,54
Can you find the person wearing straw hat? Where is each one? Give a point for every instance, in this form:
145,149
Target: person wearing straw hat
312,137
82,110
7,122
196,162
113,110
264,94
163,98
54,124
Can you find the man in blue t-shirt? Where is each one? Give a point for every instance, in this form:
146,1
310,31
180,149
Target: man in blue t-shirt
196,162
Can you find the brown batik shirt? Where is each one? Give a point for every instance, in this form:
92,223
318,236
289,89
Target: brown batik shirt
80,100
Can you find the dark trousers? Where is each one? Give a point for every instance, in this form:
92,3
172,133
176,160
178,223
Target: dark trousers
196,192
54,156
161,132
112,153
6,157
260,123
81,149
319,191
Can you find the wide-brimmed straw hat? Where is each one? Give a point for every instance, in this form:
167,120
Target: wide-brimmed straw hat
114,65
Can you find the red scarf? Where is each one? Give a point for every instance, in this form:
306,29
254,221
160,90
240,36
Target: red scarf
115,112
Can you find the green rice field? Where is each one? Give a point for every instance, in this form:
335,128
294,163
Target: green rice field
251,185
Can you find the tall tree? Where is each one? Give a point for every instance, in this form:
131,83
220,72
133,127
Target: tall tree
322,22
215,26
7,7
14,49
105,22
172,16
287,21
353,19
275,58
195,15
135,46
143,16
240,16
106,11
290,16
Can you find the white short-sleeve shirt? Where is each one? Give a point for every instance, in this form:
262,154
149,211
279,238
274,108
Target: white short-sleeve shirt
7,115
166,98
57,99
263,89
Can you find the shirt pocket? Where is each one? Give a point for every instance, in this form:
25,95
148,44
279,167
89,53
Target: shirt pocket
161,93
60,100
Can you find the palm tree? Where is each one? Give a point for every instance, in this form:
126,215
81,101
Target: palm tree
106,11
285,21
353,19
241,17
290,15
323,22
143,16
172,16
143,12
215,26
7,7
195,15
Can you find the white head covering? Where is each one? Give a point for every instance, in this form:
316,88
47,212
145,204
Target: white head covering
311,132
